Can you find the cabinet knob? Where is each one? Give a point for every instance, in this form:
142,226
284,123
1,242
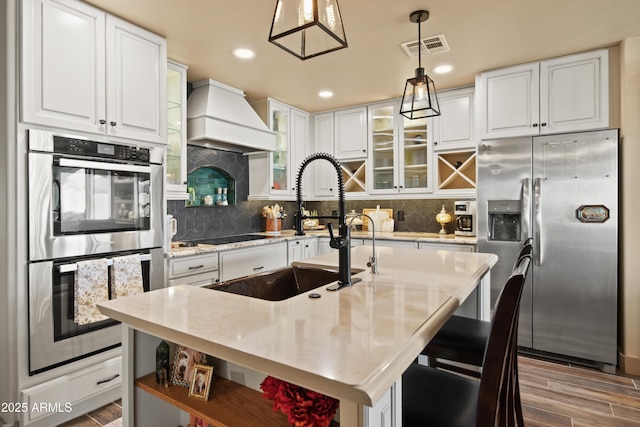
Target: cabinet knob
544,124
395,186
364,151
435,143
401,186
535,125
112,123
102,121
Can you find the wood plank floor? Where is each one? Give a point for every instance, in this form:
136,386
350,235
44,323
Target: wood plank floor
553,395
560,395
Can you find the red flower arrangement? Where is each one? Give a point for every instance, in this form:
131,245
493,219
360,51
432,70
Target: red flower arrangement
303,408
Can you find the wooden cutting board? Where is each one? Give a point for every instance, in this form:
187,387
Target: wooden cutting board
365,220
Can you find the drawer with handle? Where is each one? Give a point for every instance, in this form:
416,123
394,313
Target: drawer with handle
244,262
193,265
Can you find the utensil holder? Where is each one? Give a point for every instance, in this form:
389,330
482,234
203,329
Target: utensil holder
273,225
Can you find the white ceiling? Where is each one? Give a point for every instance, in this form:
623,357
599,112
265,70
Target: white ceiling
482,35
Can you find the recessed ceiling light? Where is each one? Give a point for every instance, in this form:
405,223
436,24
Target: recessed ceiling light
325,94
443,69
244,53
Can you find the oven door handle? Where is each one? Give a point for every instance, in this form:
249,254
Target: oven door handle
87,164
68,268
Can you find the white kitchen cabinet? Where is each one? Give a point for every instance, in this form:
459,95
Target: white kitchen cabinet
243,262
71,391
559,95
383,147
176,163
454,128
399,151
325,182
302,248
300,149
274,173
88,71
350,133
195,270
386,412
353,171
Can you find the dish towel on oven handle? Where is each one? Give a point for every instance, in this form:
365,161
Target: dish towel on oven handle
91,286
126,276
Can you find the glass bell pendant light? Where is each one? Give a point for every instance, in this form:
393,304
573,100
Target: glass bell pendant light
420,99
307,28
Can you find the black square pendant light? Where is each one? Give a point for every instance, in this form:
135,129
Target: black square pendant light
307,28
420,99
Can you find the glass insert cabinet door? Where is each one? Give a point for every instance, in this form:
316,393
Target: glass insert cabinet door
383,143
415,170
279,163
176,163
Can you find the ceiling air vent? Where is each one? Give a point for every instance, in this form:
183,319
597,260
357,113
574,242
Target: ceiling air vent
429,45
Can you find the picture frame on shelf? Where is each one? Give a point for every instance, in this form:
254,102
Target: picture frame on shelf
183,364
201,381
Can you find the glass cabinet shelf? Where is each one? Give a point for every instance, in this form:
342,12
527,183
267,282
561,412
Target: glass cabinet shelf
174,111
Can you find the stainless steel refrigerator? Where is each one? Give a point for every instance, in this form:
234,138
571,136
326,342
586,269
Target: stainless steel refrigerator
562,190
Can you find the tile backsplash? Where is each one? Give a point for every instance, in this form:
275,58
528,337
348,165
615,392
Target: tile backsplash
245,217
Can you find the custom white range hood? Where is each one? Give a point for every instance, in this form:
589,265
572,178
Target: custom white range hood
219,116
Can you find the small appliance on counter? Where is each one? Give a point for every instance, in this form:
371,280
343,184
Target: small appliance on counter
171,229
465,214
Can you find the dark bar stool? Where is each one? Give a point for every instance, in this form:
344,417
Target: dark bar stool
432,397
462,339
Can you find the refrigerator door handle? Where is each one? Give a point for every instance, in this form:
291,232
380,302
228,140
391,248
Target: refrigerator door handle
537,217
526,208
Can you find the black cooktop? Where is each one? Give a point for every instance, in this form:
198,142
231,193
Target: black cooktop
224,240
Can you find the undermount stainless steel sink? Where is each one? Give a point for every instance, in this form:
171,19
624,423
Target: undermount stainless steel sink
280,284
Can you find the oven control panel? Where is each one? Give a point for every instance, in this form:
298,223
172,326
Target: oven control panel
85,148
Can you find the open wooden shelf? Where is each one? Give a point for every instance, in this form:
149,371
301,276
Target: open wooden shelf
230,404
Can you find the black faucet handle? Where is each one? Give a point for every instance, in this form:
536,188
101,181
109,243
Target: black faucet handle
335,242
330,228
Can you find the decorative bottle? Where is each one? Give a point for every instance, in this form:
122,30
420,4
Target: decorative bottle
225,201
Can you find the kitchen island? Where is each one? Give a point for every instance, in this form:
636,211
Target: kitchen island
353,344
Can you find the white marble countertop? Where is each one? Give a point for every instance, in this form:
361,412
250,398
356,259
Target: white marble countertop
351,344
285,235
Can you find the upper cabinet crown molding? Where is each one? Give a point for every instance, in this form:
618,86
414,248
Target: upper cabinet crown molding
85,70
559,95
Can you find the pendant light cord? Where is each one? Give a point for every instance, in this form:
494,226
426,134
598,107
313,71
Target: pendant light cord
419,42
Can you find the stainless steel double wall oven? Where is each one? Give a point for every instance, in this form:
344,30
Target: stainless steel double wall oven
87,200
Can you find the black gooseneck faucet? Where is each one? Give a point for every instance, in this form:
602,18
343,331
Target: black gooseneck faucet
343,241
